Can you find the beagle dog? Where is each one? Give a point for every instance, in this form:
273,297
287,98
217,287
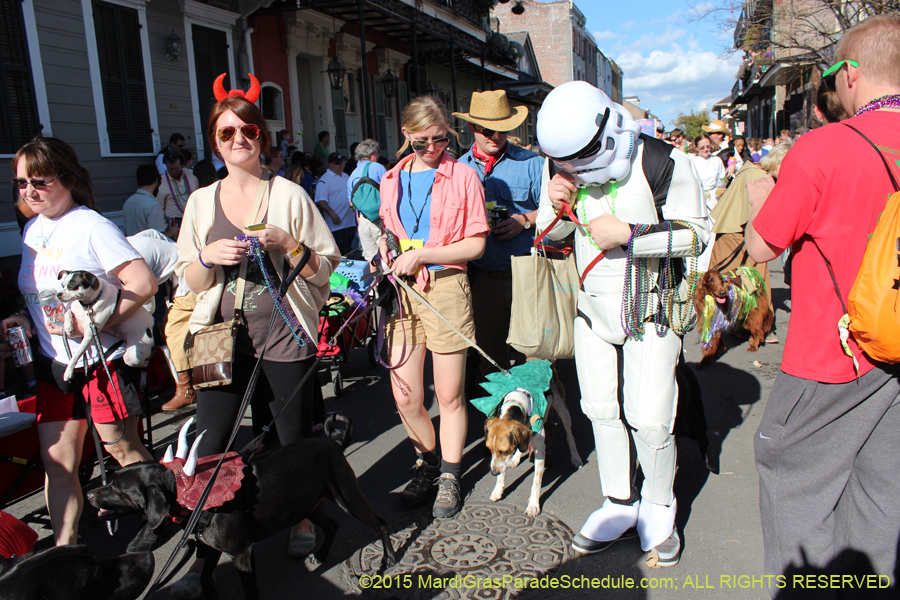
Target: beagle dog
509,438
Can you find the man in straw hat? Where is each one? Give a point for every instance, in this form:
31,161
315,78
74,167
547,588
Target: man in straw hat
512,181
720,135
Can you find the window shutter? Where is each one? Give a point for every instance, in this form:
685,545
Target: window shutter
210,61
380,124
18,108
118,33
340,123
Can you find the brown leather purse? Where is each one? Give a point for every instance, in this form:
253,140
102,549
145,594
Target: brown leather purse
211,350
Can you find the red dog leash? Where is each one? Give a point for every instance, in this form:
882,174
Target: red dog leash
567,210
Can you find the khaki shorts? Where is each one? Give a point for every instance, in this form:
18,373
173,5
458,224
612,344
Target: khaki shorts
449,293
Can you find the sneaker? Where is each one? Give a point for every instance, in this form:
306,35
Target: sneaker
448,501
421,486
666,554
585,545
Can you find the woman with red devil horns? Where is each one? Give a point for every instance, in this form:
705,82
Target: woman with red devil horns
237,236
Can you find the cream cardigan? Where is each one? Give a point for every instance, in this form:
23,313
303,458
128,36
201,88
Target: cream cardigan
291,209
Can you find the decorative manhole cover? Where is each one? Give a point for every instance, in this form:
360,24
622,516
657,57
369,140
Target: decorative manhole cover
490,550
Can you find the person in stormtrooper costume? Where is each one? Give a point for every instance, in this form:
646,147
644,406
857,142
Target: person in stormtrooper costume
623,178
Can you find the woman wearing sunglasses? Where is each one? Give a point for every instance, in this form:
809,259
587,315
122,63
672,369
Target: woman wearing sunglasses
69,235
213,243
435,205
712,178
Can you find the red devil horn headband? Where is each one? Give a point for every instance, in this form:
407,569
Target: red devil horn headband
250,95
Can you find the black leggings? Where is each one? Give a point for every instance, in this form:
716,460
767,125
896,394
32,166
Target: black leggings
217,407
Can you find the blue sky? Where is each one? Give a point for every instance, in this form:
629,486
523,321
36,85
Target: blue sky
673,64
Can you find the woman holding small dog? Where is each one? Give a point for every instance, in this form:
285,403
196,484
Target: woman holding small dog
213,243
437,204
68,234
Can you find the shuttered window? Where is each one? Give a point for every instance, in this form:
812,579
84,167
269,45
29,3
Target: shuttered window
340,121
210,61
118,33
18,109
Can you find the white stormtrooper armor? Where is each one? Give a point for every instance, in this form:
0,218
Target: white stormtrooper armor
628,385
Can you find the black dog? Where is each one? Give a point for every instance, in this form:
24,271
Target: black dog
279,490
73,573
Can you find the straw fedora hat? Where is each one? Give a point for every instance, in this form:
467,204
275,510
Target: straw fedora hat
716,126
492,111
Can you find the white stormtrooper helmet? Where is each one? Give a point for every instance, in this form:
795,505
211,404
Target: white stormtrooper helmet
587,134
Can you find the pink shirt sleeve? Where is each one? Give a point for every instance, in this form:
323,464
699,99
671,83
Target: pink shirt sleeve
476,212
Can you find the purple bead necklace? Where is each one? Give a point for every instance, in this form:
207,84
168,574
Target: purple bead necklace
890,100
173,191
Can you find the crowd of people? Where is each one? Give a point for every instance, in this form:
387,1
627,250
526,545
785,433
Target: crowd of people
208,243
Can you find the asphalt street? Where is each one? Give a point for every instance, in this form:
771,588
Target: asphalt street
717,513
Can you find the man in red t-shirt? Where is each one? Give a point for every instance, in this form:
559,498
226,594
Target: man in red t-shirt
826,448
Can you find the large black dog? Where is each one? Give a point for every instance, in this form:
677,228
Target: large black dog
279,490
73,573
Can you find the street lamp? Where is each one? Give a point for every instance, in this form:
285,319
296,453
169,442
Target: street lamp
336,72
518,9
173,46
429,88
388,82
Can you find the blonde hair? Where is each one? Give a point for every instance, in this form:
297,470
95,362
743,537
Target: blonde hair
772,161
420,114
875,44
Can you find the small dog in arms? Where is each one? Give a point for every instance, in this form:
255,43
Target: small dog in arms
510,439
84,292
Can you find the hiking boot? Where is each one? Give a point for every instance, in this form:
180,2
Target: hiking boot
666,554
448,501
421,486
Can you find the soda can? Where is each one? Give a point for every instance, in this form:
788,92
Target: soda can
19,346
52,308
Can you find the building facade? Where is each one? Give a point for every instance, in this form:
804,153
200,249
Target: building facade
563,45
115,78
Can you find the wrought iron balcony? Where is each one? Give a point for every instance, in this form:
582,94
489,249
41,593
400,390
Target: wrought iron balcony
474,11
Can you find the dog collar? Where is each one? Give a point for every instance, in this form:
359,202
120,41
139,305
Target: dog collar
95,300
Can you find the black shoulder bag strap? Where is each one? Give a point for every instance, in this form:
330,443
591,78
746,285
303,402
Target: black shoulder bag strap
896,188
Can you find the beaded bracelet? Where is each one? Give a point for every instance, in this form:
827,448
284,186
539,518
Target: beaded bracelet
200,258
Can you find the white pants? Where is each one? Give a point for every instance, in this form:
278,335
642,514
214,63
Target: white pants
636,378
369,234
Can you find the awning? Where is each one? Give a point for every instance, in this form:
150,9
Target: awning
783,73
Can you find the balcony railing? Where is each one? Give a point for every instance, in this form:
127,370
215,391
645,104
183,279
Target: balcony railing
470,10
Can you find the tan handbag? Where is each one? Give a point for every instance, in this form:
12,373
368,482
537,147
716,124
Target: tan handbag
210,351
545,292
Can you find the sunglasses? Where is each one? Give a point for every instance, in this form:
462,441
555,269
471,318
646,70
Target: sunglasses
485,131
829,77
422,145
704,148
226,134
38,184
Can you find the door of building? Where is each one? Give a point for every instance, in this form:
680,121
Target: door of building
210,61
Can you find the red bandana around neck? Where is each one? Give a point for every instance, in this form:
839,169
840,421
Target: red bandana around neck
488,160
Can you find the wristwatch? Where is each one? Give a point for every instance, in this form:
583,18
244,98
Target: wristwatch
527,224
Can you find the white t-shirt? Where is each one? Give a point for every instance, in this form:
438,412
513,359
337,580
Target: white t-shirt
160,253
333,189
710,170
80,240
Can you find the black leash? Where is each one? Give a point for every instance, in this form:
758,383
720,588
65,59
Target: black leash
248,394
